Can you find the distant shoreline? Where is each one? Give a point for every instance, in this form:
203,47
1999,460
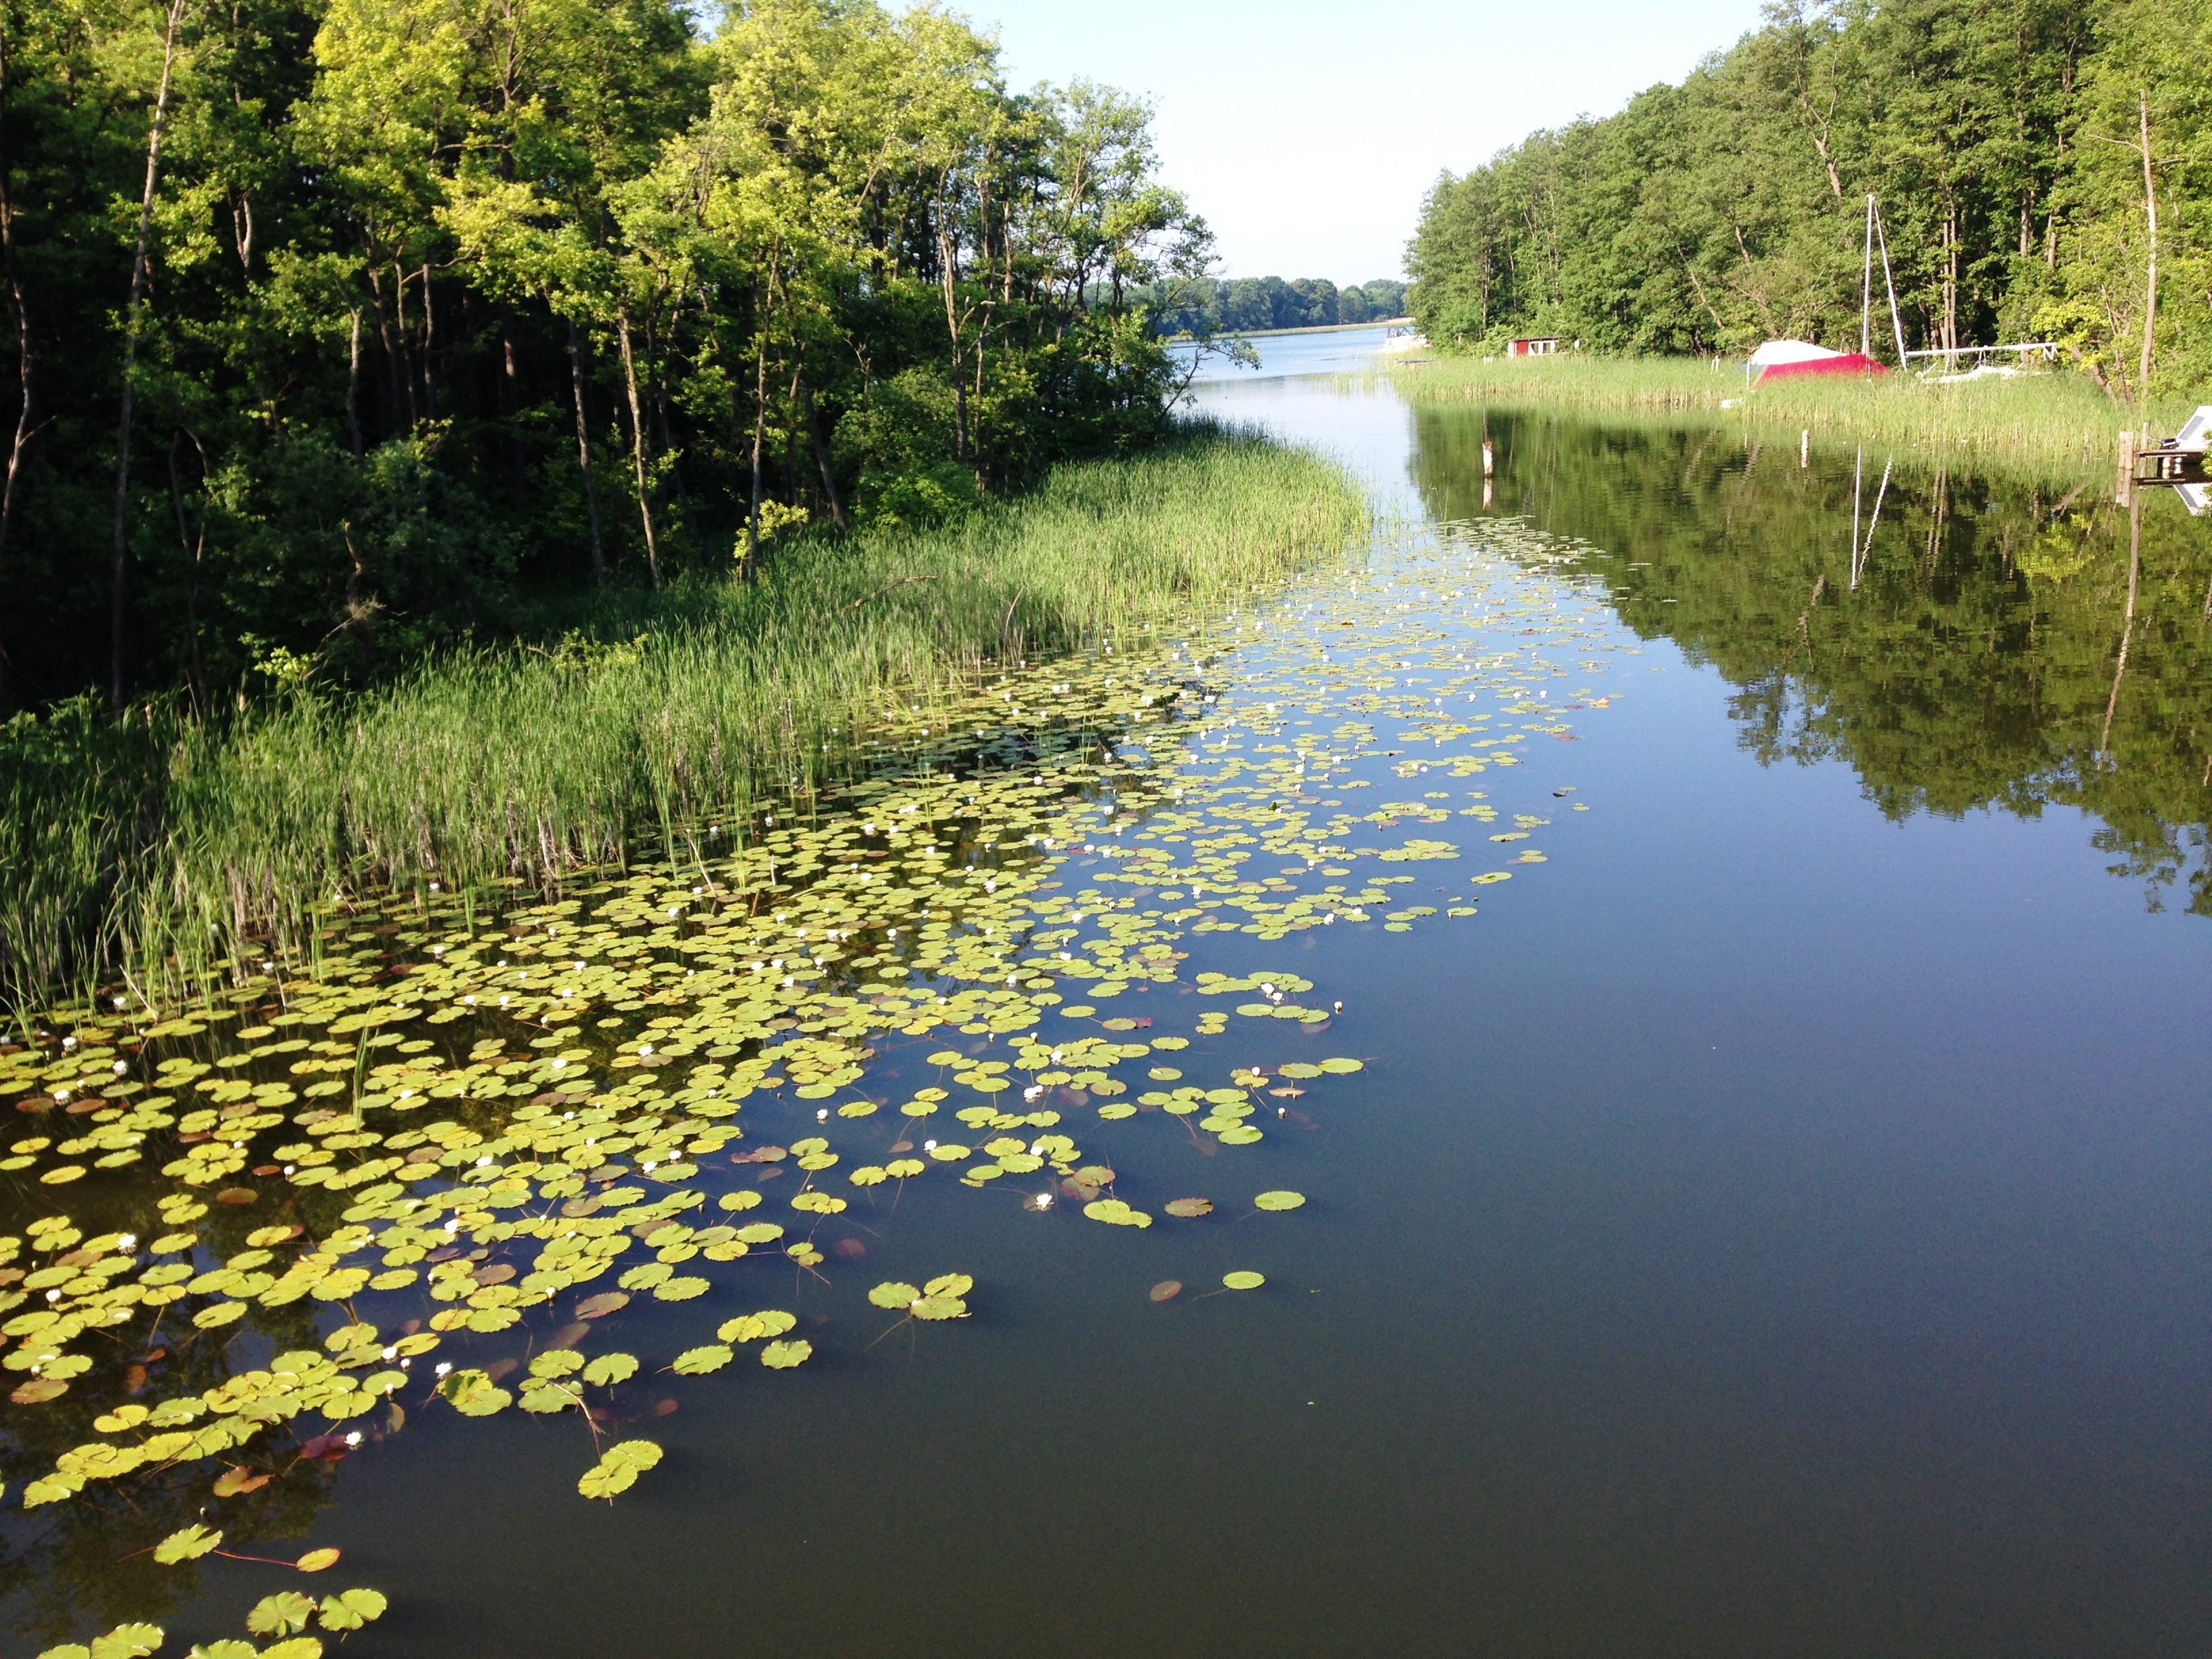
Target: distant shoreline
1316,328
2060,419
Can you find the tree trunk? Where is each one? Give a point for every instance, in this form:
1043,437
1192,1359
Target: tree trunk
2150,279
24,373
584,457
512,398
822,457
637,447
403,361
674,456
1950,277
194,547
119,589
353,387
760,431
947,280
429,346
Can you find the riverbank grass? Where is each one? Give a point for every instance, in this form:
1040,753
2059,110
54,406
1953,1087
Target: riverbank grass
2057,419
161,847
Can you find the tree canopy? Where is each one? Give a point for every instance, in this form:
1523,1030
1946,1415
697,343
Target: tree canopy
1207,306
2004,140
333,325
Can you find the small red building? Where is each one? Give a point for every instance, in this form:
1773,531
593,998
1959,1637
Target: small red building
1542,345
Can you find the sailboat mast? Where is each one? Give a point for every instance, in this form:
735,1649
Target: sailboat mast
1890,282
1866,288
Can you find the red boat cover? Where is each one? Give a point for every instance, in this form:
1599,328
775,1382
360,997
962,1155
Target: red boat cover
1855,363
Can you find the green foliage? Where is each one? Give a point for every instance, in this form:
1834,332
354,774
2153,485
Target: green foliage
444,306
169,844
1709,216
1206,306
2039,424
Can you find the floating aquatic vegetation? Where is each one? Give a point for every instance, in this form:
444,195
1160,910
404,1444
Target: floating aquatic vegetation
284,1615
494,1132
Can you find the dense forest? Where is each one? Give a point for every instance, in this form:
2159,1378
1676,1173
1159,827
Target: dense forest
2044,169
332,326
1207,306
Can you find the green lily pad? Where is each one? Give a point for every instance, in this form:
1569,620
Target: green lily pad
618,1467
350,1609
751,1327
610,1369
186,1545
284,1613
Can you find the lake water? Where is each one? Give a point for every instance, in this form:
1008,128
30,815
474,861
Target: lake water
1774,1222
1325,351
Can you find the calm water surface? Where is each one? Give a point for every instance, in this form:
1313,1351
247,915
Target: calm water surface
1325,351
1778,1224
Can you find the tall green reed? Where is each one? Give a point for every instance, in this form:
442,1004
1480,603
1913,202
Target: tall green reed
2055,420
167,851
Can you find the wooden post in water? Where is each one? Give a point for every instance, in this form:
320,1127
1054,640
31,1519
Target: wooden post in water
2125,490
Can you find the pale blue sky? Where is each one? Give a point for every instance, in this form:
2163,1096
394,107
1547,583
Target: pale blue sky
1306,133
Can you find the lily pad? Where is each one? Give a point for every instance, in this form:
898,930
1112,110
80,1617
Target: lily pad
1278,1201
610,1369
697,1362
1243,1280
1115,1214
186,1545
349,1610
751,1327
618,1467
285,1614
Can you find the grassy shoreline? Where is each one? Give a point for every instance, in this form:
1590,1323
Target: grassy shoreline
2058,420
159,846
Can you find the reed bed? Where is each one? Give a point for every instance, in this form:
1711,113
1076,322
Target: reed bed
2055,420
167,851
